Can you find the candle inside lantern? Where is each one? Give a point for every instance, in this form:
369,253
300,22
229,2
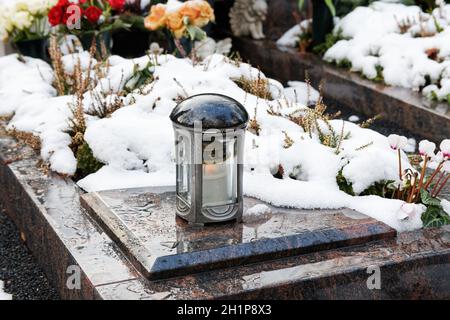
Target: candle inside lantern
218,180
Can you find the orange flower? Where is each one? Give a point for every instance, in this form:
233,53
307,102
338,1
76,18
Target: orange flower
174,20
179,33
175,24
206,14
190,11
157,17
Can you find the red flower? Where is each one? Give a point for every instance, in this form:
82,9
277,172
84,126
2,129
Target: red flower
63,3
117,5
55,16
93,13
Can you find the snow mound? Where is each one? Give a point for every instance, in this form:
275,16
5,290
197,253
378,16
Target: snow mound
408,47
136,141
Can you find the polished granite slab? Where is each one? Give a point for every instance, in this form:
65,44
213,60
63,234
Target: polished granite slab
160,245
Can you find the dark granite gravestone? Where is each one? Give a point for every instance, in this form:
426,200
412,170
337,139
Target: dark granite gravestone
143,223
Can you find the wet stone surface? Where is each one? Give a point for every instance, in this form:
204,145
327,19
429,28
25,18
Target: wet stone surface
143,221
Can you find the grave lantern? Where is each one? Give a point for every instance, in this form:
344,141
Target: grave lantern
209,145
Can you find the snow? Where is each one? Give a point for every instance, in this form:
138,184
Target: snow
136,142
4,295
411,146
292,37
446,206
256,213
353,118
301,93
372,38
402,42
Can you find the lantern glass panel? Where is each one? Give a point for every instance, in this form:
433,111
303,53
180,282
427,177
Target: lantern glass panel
220,175
183,168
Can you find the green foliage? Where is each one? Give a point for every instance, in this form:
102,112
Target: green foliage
133,21
384,189
329,3
428,200
196,33
140,77
379,77
345,63
434,216
330,40
343,184
86,162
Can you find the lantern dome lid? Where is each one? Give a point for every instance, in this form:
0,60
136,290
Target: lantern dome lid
214,111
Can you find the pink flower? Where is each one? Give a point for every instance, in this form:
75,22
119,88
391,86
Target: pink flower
445,148
446,166
409,211
426,148
397,142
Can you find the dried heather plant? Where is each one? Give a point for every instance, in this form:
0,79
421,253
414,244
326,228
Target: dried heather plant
258,87
76,83
58,66
77,124
405,24
27,138
253,125
104,106
288,142
366,124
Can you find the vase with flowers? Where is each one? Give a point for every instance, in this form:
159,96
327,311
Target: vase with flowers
182,23
88,20
24,23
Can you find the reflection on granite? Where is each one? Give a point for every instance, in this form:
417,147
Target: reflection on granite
161,245
415,265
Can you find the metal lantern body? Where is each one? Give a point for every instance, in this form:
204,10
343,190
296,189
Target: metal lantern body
209,142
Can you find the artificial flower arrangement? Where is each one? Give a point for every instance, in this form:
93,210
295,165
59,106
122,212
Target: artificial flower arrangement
182,20
86,17
25,20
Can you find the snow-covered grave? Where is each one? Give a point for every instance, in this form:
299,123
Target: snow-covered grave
394,43
285,165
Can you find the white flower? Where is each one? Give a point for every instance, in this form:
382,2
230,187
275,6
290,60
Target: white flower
21,5
209,46
439,157
155,48
410,211
224,46
101,20
205,48
36,6
446,166
426,148
445,148
397,142
5,19
22,20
